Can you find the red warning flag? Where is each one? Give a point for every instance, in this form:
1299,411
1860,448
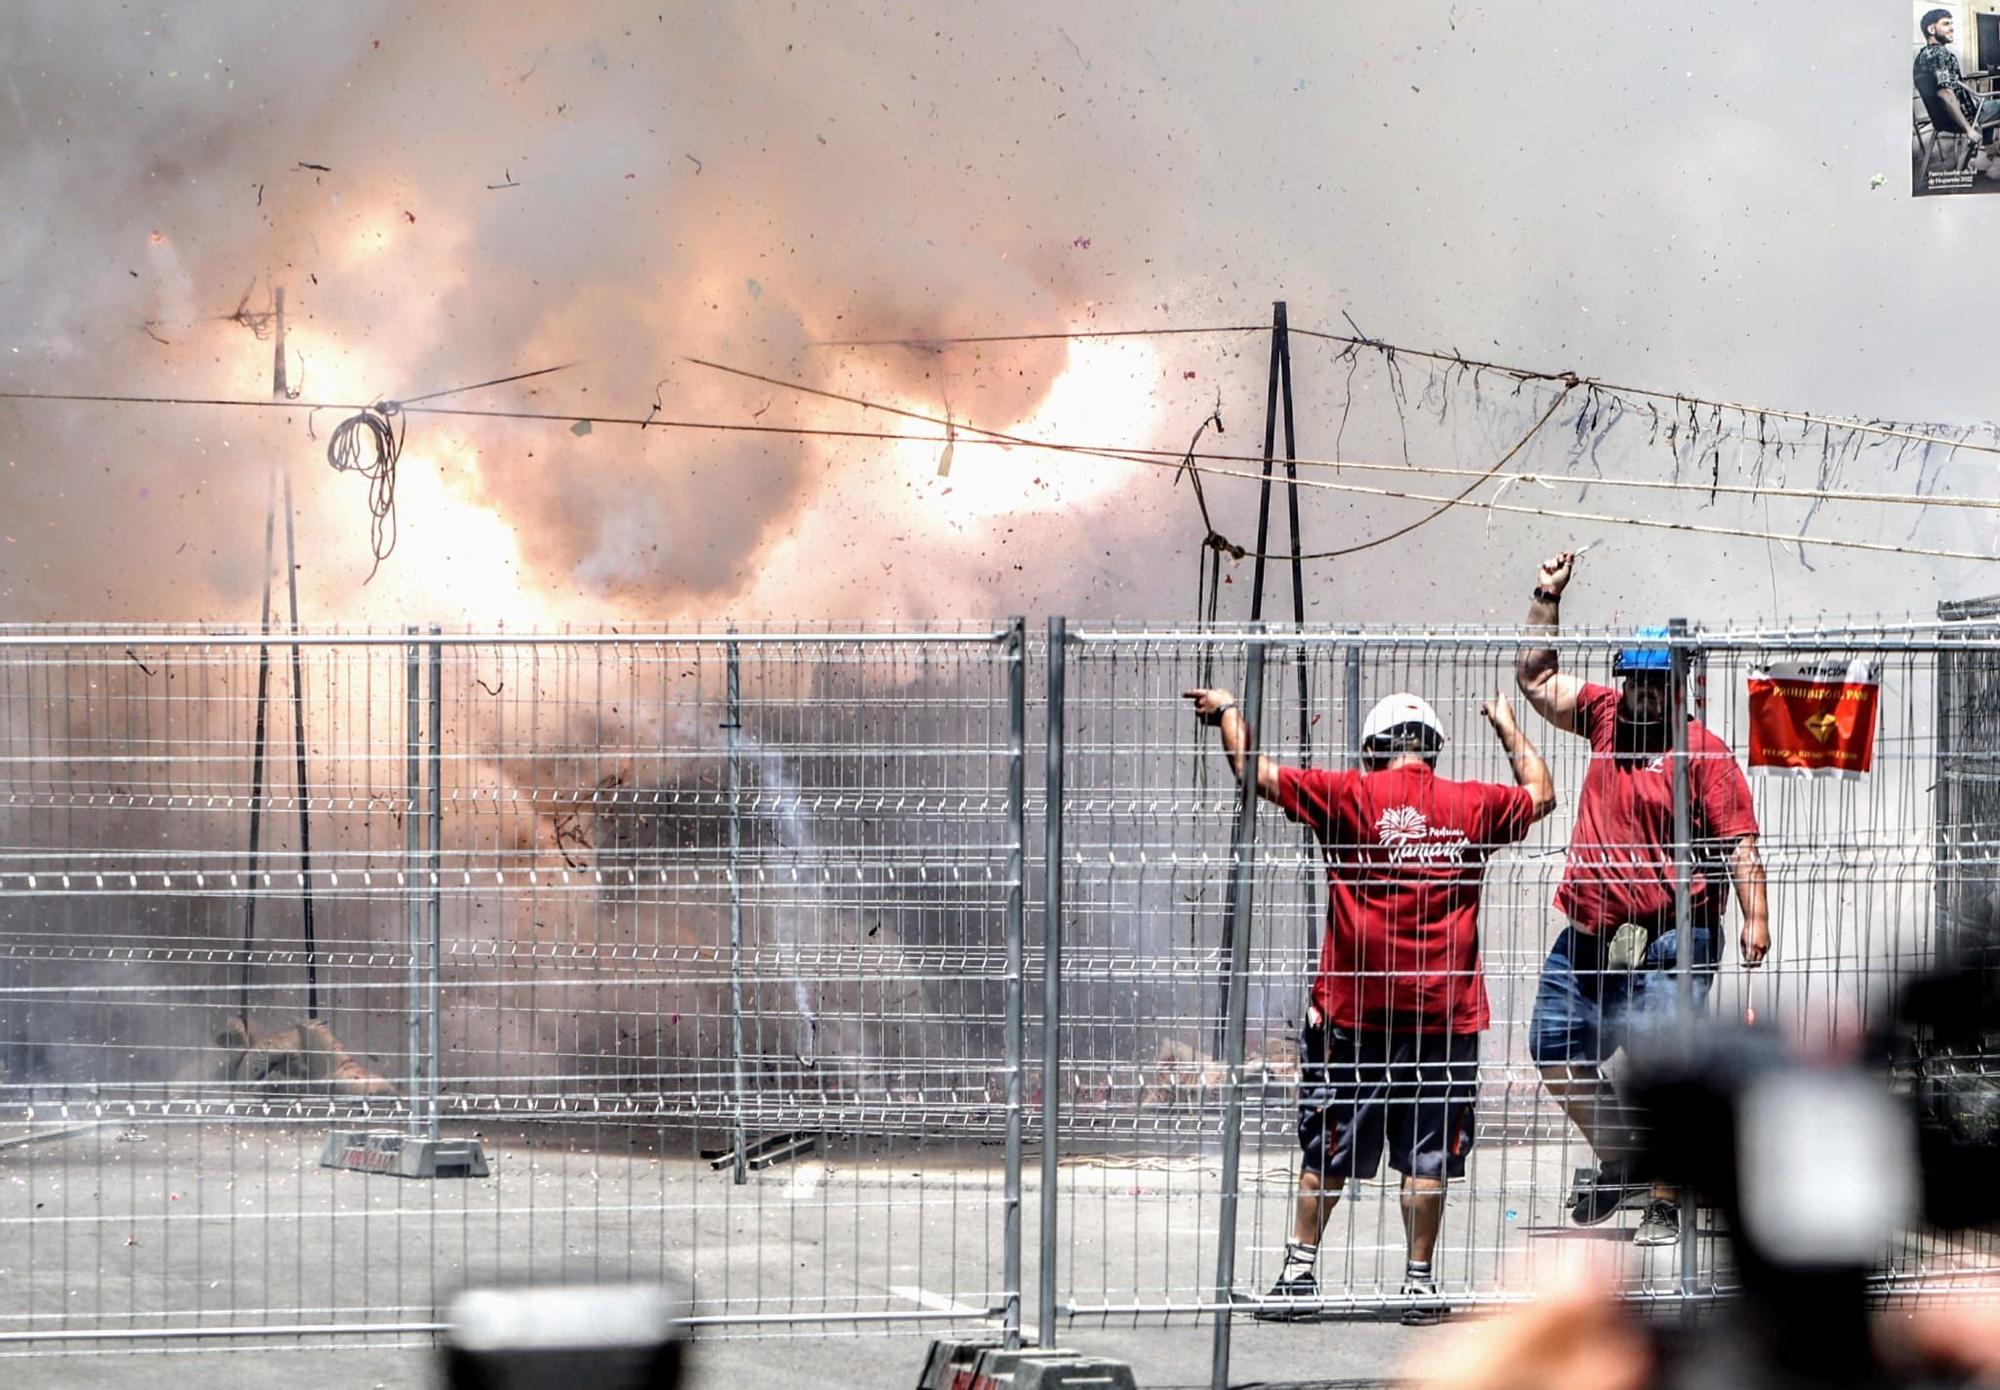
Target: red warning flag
1814,718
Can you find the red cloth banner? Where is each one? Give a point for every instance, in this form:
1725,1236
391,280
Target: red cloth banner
1814,718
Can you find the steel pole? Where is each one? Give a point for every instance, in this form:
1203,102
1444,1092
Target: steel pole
1052,928
434,899
1270,450
1351,702
1241,883
413,907
257,752
1017,932
280,391
1680,658
734,725
1309,879
1944,813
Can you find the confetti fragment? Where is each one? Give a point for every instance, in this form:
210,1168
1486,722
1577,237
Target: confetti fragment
580,428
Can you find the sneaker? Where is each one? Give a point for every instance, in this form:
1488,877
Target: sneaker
1296,1288
1428,1308
1661,1225
1596,1200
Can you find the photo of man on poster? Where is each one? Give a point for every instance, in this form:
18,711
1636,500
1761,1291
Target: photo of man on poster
1953,117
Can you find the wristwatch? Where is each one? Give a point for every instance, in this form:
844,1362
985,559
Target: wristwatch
1544,596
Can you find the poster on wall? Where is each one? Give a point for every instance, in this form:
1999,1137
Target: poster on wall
1955,97
1814,718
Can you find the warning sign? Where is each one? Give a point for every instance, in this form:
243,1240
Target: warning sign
1814,718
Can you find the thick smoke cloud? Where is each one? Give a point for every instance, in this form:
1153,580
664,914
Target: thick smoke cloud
685,183
456,191
740,182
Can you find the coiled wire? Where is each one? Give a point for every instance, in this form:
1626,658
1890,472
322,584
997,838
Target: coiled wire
370,444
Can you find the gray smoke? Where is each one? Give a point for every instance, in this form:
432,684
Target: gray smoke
740,182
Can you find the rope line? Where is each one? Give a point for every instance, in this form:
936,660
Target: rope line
1455,359
1127,453
932,344
1842,422
1153,458
1470,488
482,385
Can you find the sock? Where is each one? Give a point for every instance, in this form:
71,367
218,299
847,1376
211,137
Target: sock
1417,1271
1300,1257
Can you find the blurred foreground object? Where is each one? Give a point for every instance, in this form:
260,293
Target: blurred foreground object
1816,1166
571,1337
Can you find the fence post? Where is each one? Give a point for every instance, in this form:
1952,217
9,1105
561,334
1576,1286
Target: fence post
733,723
413,903
1350,703
1017,930
1944,803
1681,660
1241,882
1052,908
434,934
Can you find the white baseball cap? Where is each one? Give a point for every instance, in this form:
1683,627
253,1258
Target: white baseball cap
1394,711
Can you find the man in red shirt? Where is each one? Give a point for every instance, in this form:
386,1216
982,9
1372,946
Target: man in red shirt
1390,1050
1611,969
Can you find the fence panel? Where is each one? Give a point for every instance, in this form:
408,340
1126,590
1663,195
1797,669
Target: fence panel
713,952
1855,883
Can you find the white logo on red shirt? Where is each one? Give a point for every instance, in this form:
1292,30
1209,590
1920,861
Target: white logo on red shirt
1409,835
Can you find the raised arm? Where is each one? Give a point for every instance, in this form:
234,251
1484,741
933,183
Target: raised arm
1217,709
1530,771
1549,690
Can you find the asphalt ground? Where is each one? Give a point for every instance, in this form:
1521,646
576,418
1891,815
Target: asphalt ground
140,1228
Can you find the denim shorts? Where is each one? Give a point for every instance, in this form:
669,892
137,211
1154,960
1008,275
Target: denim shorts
1584,1012
1363,1090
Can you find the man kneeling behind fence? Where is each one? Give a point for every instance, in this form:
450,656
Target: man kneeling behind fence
1391,1045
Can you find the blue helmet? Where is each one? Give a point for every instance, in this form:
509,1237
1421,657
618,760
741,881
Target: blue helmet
1644,658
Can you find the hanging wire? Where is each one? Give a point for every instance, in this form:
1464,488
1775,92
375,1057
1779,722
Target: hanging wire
370,443
1391,351
968,433
1152,458
1116,452
1074,335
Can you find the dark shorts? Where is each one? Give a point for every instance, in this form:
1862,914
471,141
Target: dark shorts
1584,1012
1361,1090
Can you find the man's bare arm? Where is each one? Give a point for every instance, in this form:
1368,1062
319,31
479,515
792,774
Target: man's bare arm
1746,871
1530,772
1218,708
1536,672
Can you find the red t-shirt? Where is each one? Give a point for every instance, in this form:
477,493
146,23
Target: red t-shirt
1621,854
1405,851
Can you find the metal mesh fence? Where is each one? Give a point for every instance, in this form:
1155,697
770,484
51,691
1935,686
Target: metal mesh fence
720,947
1149,802
709,941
